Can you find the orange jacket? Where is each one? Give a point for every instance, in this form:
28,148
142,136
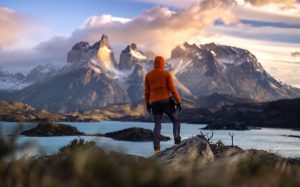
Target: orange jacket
159,83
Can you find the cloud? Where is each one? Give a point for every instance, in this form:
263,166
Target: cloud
265,2
172,3
295,54
255,14
11,25
159,29
264,33
19,30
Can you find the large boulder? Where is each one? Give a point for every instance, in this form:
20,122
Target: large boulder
134,134
52,129
189,150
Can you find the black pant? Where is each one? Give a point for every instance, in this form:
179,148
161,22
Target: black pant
158,109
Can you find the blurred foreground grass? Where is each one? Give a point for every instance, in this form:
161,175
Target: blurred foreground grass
84,164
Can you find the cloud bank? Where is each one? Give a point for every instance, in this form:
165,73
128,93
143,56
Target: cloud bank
158,29
295,54
265,2
11,24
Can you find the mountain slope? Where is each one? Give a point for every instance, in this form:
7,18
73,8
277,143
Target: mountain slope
208,76
11,82
86,82
208,69
76,90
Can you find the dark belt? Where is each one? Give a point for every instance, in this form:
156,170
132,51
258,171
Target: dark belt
161,101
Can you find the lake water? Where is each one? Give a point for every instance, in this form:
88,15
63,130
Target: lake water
268,139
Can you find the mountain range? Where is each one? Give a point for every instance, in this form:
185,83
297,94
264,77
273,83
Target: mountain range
93,78
10,82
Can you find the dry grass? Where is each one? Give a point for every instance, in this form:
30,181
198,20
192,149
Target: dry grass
83,164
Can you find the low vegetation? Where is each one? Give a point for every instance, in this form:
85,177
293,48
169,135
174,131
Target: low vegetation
82,163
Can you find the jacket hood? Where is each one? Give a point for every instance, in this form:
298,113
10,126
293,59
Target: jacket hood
159,62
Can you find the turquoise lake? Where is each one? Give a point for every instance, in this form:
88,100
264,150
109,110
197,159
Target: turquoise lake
269,139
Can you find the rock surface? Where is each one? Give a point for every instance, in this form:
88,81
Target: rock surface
188,150
52,129
130,56
93,79
225,70
196,153
134,134
16,111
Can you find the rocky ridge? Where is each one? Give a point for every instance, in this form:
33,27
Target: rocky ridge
93,79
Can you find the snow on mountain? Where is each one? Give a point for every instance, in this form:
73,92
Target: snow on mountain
130,56
41,72
11,82
92,78
211,68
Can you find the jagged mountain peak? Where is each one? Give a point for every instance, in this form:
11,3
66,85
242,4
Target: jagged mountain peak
228,70
103,42
105,55
93,79
130,56
41,72
81,45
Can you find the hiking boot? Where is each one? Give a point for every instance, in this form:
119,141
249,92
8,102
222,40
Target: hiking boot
177,141
157,152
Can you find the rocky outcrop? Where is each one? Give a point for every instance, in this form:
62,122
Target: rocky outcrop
135,84
197,154
41,72
208,75
130,56
188,150
52,129
78,52
134,134
105,55
16,111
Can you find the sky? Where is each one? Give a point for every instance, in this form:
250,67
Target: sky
34,32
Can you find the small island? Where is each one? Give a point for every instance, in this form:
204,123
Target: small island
52,129
134,134
292,136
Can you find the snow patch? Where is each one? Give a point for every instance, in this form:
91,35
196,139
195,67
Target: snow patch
12,85
180,65
213,53
181,86
137,54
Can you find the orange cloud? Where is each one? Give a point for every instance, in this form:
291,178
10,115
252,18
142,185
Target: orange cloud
11,25
264,2
160,29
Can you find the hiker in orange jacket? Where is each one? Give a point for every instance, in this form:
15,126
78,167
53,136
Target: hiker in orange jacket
160,94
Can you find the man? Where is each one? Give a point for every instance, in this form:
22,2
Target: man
159,94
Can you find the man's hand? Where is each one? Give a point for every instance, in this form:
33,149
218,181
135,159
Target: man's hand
178,107
149,108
